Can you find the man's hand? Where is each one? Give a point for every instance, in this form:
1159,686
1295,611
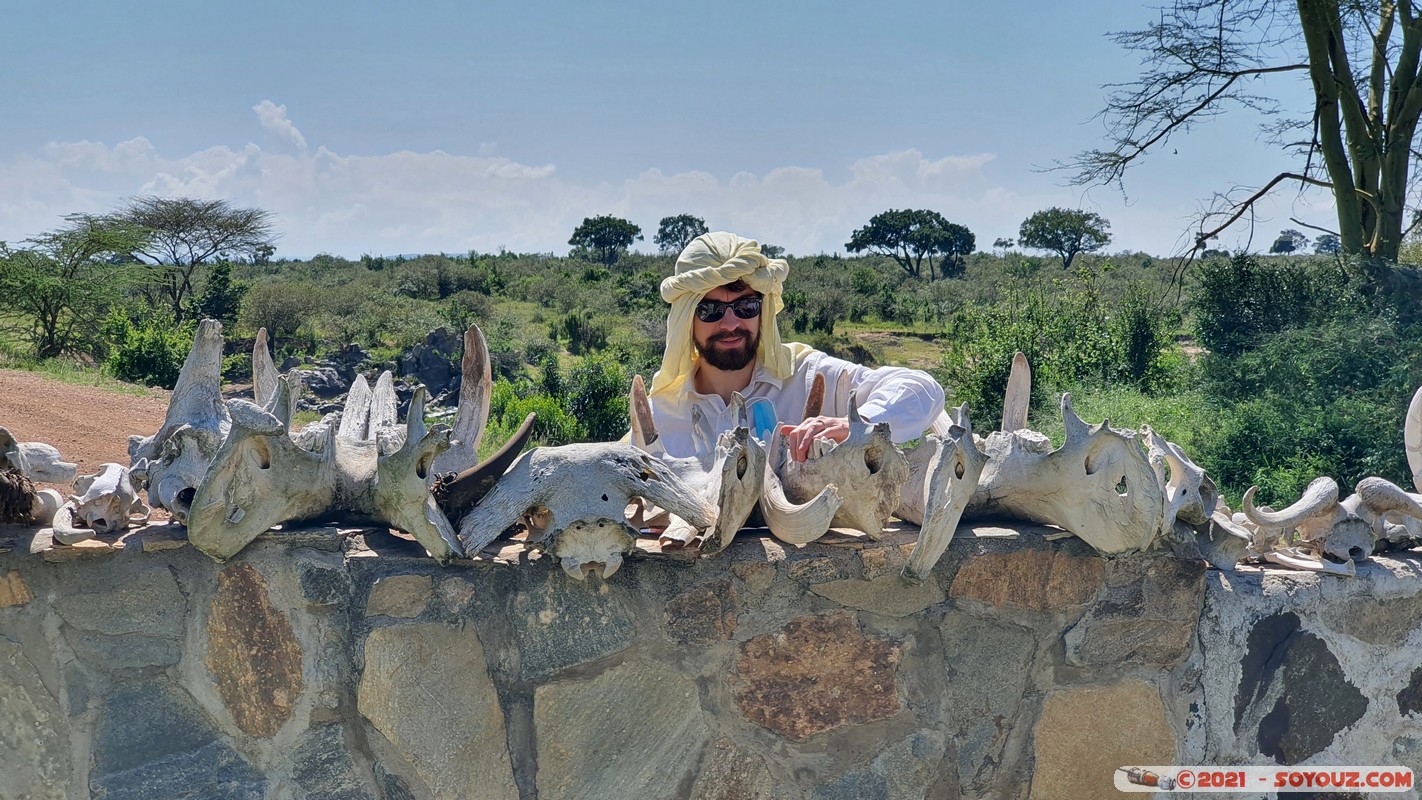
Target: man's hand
801,436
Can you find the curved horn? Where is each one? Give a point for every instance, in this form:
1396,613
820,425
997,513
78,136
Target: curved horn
1076,429
66,531
457,495
797,524
1380,497
1320,497
1412,437
703,435
738,407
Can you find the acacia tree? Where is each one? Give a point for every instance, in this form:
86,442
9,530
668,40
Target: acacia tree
1361,60
1289,241
1066,232
675,233
911,237
605,237
184,234
59,287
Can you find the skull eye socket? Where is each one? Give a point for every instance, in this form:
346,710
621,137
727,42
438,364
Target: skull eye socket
259,454
874,460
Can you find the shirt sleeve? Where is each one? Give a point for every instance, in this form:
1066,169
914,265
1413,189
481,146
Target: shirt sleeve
908,399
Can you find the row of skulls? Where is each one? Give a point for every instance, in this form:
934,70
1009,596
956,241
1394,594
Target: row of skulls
230,470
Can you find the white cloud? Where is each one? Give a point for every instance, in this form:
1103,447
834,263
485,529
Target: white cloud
402,202
273,118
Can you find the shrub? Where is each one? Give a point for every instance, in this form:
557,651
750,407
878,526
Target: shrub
148,350
597,398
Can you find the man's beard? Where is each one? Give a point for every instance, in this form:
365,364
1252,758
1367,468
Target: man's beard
733,359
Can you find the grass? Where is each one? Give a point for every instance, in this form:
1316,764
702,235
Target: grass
1175,416
74,373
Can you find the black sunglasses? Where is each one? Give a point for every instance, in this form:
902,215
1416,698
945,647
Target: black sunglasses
713,310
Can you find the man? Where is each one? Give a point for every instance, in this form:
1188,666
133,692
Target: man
722,338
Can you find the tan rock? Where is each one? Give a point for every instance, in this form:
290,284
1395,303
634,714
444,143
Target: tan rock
400,596
61,553
633,731
252,653
815,570
426,689
1084,734
1037,580
816,674
13,590
885,559
758,575
455,593
730,773
887,594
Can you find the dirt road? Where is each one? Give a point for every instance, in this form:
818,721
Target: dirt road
89,425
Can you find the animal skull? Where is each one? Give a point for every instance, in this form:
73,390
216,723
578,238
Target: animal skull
172,462
37,461
106,502
573,499
1190,494
1097,485
730,476
866,468
366,471
1347,530
945,482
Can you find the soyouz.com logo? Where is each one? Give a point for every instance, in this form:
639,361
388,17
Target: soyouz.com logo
1184,779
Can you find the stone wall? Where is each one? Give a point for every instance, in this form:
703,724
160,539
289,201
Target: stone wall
336,665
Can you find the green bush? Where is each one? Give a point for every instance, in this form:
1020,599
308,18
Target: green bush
148,350
597,398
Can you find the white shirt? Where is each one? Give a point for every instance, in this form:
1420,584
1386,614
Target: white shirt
908,399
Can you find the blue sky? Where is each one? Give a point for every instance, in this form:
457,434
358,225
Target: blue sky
377,127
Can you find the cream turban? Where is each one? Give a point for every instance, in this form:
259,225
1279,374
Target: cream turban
712,260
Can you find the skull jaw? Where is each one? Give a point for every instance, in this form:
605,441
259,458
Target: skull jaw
591,547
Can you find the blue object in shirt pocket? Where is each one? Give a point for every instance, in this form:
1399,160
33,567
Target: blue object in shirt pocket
762,417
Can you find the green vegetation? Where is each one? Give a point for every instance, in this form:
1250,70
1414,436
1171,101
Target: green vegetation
1268,370
1066,232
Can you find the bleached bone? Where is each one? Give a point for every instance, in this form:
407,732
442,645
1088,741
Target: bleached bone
1412,438
866,468
573,499
171,463
948,482
1017,400
729,476
46,504
37,461
1294,558
1074,486
473,412
106,502
1377,515
791,522
264,371
1190,494
261,478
